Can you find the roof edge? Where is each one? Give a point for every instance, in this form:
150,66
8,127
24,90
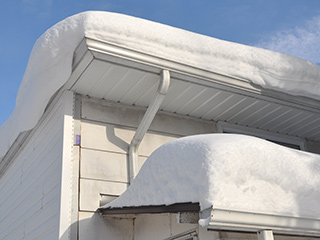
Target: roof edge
90,49
173,208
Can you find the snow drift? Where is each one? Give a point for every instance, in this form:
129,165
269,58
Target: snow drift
228,171
49,66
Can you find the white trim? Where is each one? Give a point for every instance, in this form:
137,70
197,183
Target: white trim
225,219
234,128
67,99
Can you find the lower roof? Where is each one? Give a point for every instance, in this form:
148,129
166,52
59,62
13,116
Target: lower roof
173,208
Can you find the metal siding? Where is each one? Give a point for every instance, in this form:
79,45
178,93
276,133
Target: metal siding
98,88
307,117
266,116
144,84
189,96
174,91
228,107
193,103
289,118
30,188
92,74
205,106
309,128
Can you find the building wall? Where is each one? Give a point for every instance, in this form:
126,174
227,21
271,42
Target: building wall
30,189
106,132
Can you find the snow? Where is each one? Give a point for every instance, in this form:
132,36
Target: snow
228,171
49,66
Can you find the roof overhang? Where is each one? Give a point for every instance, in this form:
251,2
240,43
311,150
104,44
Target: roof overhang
107,71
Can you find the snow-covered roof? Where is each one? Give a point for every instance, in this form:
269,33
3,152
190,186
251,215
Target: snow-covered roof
50,63
228,171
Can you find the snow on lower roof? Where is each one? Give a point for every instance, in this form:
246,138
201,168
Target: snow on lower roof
228,171
49,66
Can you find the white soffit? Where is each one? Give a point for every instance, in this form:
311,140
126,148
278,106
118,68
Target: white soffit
111,72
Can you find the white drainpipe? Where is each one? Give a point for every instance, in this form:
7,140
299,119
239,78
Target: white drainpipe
146,122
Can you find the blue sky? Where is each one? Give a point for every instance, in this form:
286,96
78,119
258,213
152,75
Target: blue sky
289,26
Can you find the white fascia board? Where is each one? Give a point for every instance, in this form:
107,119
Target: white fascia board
232,220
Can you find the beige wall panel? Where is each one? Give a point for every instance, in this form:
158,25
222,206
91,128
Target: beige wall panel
104,137
91,190
151,142
94,227
102,165
115,113
107,137
183,126
108,112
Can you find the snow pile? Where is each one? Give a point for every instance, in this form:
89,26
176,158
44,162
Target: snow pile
228,171
50,61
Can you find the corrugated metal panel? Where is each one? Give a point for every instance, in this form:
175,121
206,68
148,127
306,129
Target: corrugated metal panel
30,188
137,87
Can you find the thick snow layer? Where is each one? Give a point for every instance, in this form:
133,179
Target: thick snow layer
50,61
228,171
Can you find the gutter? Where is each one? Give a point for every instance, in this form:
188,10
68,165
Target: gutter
264,224
146,122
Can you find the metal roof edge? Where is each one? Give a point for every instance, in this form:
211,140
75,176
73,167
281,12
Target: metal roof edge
173,208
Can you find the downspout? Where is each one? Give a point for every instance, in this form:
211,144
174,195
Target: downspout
146,122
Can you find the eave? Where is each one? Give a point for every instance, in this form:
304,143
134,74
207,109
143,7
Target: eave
107,71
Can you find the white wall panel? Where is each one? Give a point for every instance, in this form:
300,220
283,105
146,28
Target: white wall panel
30,188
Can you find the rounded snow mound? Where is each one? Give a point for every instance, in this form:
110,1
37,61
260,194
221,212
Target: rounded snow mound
228,171
50,62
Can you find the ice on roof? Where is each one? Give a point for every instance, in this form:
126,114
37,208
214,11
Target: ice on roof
228,171
49,66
